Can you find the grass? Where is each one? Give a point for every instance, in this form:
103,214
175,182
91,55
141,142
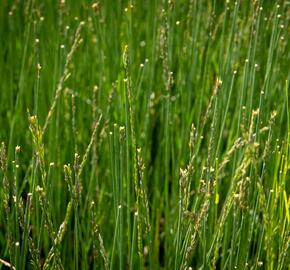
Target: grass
144,134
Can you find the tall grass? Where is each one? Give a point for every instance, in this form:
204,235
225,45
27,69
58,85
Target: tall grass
144,135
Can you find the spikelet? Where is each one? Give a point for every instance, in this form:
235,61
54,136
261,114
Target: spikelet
37,136
96,236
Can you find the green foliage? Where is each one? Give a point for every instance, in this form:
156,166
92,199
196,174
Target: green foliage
144,134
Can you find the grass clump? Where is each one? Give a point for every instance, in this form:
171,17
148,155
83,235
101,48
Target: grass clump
144,135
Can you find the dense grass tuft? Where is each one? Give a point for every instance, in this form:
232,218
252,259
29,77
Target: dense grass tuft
144,134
